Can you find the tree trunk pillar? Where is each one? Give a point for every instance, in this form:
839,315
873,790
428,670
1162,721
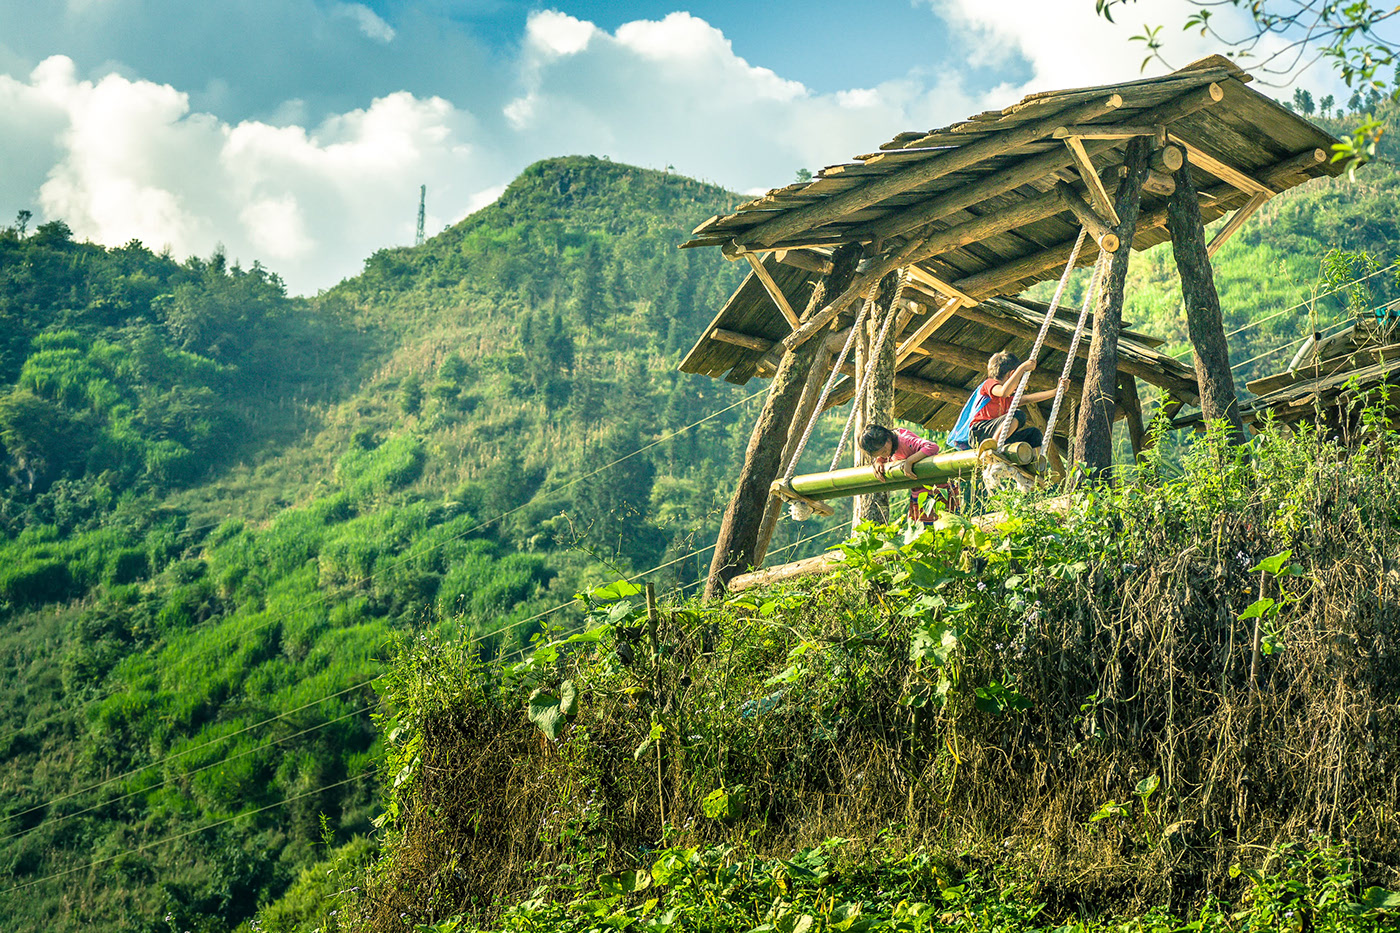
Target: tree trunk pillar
1204,325
736,547
878,405
806,408
1094,441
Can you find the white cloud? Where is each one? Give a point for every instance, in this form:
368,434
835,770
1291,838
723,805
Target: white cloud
371,25
128,160
1068,45
553,34
311,192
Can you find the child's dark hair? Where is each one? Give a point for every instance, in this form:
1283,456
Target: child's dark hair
1001,364
874,438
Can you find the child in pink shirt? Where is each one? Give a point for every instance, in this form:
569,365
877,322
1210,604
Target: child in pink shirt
905,448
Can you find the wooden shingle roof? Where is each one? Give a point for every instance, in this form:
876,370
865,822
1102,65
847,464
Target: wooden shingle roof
983,208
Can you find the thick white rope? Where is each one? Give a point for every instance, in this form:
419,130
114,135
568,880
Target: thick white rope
1095,280
890,314
826,390
1010,417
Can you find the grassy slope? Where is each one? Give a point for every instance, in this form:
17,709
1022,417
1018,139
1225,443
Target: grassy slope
437,393
348,510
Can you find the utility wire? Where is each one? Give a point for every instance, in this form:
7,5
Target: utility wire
187,833
324,597
1301,304
364,683
199,829
213,764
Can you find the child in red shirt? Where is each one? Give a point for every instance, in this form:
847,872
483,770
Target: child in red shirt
1004,374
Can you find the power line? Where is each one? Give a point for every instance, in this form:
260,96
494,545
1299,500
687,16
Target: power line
1301,304
191,832
183,752
323,597
150,845
213,764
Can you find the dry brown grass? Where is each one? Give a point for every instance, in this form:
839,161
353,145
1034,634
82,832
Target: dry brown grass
1137,667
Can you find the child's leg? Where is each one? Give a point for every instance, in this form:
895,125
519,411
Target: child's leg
984,430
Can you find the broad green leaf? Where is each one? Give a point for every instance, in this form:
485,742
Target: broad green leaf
615,590
547,709
625,882
726,804
1272,565
1146,787
1257,609
1380,899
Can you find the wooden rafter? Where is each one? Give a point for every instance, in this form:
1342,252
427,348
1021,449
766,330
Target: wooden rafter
829,209
1236,221
1097,226
1109,131
925,277
774,291
1102,202
935,321
1226,173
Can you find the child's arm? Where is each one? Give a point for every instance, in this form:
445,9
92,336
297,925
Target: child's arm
925,449
1045,396
1008,385
907,464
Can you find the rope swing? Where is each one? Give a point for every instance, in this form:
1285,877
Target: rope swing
1010,416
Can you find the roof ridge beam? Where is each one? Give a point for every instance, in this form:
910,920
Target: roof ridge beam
833,208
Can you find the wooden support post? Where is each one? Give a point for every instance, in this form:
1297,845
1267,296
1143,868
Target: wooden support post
806,409
1102,203
1094,444
879,396
1131,404
1204,325
738,534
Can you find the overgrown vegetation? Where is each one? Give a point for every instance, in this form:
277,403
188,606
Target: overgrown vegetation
220,507
1173,705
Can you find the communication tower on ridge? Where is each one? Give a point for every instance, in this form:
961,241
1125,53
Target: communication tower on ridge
422,200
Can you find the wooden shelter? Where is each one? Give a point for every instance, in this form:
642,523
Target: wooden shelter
972,214
1328,376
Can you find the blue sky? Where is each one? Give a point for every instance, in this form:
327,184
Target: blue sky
297,132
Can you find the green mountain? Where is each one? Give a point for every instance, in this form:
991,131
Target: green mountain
222,508
221,505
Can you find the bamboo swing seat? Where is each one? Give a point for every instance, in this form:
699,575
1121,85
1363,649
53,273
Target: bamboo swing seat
862,481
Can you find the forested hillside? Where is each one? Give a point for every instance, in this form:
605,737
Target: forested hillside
222,508
221,505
